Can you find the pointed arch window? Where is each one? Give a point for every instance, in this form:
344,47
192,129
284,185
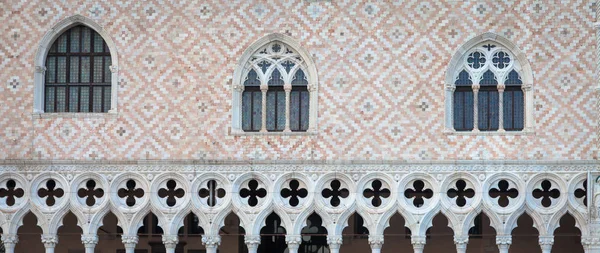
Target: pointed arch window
276,91
78,76
487,93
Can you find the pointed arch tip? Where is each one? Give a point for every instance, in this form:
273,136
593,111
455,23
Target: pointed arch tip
451,70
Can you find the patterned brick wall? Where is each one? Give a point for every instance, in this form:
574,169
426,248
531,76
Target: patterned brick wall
381,68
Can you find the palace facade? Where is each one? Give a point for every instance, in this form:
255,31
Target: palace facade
297,126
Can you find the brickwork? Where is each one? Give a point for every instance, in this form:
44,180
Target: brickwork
381,67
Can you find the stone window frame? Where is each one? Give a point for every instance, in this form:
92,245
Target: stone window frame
244,66
456,65
40,69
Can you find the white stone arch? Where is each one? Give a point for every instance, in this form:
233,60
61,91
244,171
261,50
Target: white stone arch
427,221
538,221
469,221
261,219
10,226
341,222
173,225
97,220
454,67
45,44
218,222
243,67
554,221
137,220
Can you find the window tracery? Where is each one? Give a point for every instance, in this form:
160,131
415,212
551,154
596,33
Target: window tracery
489,88
275,96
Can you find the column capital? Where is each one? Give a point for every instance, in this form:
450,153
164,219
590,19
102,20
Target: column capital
10,239
170,241
461,239
40,69
311,88
501,87
293,241
546,242
590,241
264,87
418,241
475,87
450,87
130,239
252,242
376,241
334,241
89,239
238,87
212,241
113,68
49,240
503,239
526,87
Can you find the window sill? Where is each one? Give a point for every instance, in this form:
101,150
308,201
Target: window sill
490,133
104,115
236,132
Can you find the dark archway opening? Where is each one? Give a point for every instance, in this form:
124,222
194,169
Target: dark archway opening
69,235
272,236
525,238
396,237
232,235
567,238
355,236
314,236
482,237
440,237
29,236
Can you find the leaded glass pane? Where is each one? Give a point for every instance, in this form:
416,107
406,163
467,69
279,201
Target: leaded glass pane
98,43
51,70
276,78
513,110
85,69
488,79
304,110
74,71
50,99
252,79
62,43
73,98
476,60
280,110
295,110
85,99
257,110
247,111
107,73
107,98
463,110
98,69
271,110
299,78
61,99
488,110
86,36
62,70
75,39
464,79
97,102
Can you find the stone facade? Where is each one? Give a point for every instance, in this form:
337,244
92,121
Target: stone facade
379,110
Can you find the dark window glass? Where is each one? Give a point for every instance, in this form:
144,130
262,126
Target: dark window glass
513,108
251,108
488,108
314,236
78,79
463,103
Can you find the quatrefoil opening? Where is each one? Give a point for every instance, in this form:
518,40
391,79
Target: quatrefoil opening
335,192
11,192
51,192
581,193
90,193
131,193
212,193
253,192
546,193
172,193
294,193
420,193
503,193
377,193
461,193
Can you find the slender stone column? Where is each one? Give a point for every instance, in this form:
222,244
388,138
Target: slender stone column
591,244
129,241
335,243
449,96
170,242
501,88
475,107
528,96
89,242
503,242
252,242
288,91
293,242
50,241
10,241
461,242
376,243
211,243
264,89
546,242
418,243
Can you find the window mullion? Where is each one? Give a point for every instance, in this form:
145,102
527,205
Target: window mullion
475,107
264,88
501,108
288,89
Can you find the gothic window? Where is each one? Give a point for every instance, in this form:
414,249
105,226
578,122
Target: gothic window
275,96
487,92
78,75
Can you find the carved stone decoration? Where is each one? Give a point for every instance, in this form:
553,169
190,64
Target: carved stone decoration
546,243
131,193
503,242
49,240
11,193
252,242
461,243
10,241
170,241
334,242
418,243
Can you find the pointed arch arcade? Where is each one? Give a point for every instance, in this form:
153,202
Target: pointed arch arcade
275,88
45,46
488,87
